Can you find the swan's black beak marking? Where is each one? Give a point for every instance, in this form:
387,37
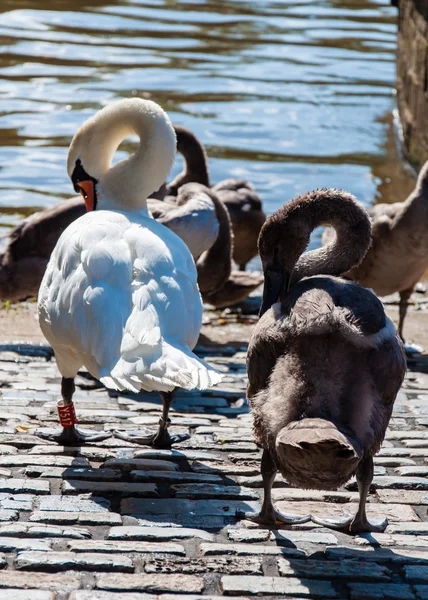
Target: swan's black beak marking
273,286
85,185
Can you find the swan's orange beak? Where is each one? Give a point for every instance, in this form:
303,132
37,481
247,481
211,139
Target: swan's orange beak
87,192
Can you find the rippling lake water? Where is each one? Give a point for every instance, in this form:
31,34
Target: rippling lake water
291,95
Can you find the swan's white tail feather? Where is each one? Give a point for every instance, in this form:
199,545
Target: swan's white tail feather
174,367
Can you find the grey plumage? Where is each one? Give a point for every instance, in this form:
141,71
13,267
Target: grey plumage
324,362
240,197
398,256
26,249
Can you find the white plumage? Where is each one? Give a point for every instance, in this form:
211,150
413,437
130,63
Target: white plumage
120,297
120,294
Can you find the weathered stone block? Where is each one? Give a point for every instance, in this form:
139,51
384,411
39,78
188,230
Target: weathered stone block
249,549
401,483
381,555
67,504
24,486
314,495
63,561
125,546
17,501
416,573
389,591
345,569
393,461
20,440
419,471
12,594
30,530
277,586
175,477
414,527
78,518
421,591
150,583
227,469
176,506
208,491
77,486
98,595
156,533
7,450
242,534
10,544
74,473
8,515
89,452
218,564
140,464
63,583
402,497
176,455
183,520
24,460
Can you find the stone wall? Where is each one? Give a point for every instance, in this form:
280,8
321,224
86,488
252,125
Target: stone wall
412,76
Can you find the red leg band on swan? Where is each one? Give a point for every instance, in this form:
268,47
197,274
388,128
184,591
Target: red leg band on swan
67,415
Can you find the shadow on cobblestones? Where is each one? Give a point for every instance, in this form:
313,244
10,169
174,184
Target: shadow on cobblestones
120,518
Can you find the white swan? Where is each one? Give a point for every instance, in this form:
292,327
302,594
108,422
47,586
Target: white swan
119,295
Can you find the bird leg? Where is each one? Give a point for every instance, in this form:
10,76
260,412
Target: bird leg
359,523
269,515
69,434
162,438
409,347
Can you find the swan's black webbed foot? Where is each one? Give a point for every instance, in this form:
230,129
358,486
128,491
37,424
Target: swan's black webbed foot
160,439
72,436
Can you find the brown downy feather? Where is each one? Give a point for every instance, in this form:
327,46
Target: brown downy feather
315,454
238,287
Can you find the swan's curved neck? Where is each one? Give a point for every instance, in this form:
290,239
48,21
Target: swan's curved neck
285,236
292,225
215,265
353,236
346,251
127,184
195,160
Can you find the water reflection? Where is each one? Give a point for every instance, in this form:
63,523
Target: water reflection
289,94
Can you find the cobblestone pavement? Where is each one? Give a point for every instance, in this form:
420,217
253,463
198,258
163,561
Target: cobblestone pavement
113,520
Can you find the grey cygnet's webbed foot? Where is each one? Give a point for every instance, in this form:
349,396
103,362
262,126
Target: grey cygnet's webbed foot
352,525
269,515
359,523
